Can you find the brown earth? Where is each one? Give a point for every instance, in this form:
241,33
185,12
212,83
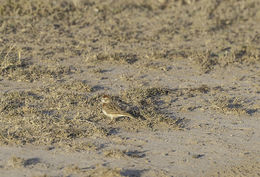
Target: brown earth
188,70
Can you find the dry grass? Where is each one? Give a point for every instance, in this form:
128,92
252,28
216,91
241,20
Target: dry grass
13,67
95,172
208,60
44,117
60,116
37,37
234,105
63,19
51,49
15,162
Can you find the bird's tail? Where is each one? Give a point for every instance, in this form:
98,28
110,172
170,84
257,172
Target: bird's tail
125,114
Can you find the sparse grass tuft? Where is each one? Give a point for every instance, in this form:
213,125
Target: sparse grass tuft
233,105
15,162
208,60
13,67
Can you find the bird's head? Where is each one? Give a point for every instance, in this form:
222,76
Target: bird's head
105,99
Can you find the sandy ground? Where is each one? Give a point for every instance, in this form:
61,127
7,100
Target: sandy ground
187,70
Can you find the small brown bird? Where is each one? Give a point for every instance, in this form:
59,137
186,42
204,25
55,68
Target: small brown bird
110,109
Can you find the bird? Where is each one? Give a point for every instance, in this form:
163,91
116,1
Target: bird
112,110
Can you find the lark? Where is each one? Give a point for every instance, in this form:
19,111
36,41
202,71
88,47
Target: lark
112,110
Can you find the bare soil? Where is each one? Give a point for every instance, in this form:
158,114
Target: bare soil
187,70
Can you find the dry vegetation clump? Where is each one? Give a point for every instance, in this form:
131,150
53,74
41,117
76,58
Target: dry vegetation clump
216,98
230,13
10,60
95,171
234,105
47,117
208,60
114,153
140,95
60,29
64,113
147,115
18,162
38,72
13,67
15,162
240,55
147,107
117,153
117,57
152,105
60,116
43,28
74,86
37,9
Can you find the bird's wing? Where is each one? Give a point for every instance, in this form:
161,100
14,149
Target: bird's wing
115,109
